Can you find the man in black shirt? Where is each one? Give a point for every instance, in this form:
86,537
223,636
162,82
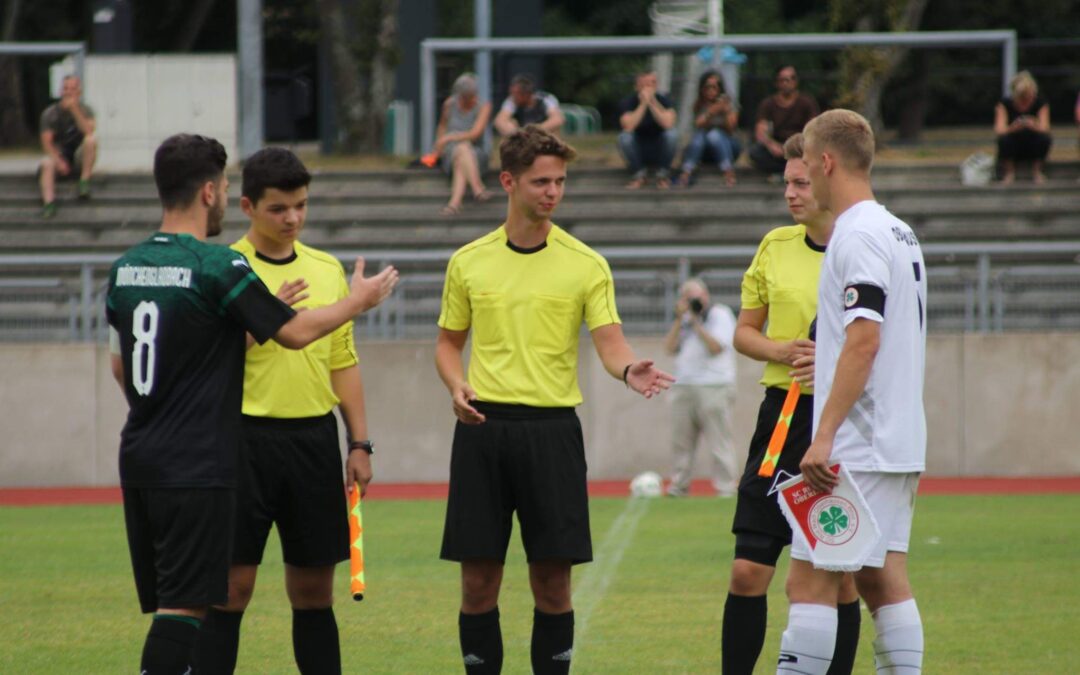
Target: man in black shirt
648,137
179,309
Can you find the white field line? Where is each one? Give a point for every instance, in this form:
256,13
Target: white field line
599,574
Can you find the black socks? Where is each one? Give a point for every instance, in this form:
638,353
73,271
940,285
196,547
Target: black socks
481,642
168,646
315,641
848,618
552,642
743,633
218,643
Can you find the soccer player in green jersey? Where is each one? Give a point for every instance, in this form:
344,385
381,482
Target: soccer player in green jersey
179,309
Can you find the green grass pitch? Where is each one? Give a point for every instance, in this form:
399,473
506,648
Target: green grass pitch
996,579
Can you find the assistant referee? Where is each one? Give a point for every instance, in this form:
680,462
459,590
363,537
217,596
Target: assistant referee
779,290
290,458
523,291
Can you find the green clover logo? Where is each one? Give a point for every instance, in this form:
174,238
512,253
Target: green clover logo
833,520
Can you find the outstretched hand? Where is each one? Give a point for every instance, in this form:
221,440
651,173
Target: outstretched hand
374,289
646,379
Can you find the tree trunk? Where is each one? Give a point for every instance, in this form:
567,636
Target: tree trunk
196,19
13,129
348,93
362,88
865,71
382,73
913,106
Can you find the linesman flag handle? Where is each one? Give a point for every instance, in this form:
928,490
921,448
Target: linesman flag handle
356,545
779,434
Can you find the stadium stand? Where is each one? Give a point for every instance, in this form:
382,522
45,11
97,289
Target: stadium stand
398,210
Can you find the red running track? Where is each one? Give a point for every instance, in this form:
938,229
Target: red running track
609,488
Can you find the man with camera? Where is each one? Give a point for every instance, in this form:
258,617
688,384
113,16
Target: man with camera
704,394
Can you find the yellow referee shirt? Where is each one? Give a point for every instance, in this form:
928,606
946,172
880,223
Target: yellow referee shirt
291,383
783,276
525,309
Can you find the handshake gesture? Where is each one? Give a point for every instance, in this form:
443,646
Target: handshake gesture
371,291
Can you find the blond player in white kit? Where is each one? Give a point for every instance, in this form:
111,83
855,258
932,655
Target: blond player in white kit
868,408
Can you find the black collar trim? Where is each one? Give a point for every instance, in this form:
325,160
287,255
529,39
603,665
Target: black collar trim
276,261
813,246
526,251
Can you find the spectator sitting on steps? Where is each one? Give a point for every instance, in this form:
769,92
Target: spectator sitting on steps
528,105
459,142
67,137
1022,125
715,121
648,136
779,117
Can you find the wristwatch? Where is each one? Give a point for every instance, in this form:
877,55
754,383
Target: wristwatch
366,446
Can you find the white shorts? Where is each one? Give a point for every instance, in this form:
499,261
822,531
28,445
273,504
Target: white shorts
891,498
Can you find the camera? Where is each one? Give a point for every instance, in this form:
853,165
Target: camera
695,305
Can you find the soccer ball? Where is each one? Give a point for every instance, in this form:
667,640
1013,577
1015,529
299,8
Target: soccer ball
647,484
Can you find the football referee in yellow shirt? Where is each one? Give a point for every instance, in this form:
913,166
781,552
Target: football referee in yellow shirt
290,459
524,290
779,289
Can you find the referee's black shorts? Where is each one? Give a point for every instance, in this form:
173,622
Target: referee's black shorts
524,459
180,541
756,511
290,474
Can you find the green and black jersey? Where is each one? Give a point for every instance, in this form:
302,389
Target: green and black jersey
181,307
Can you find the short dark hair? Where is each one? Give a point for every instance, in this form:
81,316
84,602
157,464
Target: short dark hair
520,149
780,69
183,164
273,168
525,81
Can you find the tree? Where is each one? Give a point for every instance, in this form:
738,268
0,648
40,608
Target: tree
865,71
13,129
362,46
196,12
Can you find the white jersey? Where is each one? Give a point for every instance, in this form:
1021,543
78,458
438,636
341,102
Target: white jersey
694,365
874,269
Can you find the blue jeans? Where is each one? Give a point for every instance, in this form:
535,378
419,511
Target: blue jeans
717,144
641,152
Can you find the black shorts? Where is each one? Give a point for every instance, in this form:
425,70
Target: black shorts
524,459
755,509
290,474
180,541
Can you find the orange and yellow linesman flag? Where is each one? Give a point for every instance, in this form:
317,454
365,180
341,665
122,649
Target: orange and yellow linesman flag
779,434
356,545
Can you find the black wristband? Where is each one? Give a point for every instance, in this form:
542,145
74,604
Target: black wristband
625,372
366,446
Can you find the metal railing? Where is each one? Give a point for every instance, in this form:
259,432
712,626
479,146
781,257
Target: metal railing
75,49
1005,39
968,291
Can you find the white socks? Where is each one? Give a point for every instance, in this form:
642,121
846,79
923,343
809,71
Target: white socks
898,649
808,642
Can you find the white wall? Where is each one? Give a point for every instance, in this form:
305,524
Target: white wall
141,100
996,405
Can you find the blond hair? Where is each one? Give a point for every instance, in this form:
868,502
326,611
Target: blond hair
794,147
1022,83
847,134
